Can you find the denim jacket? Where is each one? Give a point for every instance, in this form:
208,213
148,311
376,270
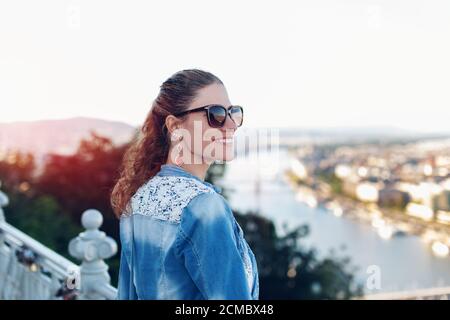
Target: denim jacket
181,241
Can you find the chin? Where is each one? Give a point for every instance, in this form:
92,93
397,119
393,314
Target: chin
220,153
228,154
220,159
226,159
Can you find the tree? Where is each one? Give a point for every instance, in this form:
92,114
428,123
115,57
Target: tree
17,171
48,207
85,179
43,219
289,271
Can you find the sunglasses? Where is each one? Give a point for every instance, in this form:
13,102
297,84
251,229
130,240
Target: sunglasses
217,114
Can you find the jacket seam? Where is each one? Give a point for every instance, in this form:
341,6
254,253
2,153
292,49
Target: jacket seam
161,255
197,258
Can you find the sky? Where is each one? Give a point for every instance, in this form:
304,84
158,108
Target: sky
289,63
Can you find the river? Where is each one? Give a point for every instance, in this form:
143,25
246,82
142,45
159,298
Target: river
405,262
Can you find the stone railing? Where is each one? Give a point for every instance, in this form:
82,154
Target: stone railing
440,293
29,270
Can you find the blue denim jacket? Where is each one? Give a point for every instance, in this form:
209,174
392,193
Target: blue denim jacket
185,244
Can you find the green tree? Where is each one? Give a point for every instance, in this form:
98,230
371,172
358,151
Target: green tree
43,219
289,271
48,207
17,171
85,179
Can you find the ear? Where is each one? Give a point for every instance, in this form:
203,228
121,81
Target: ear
172,123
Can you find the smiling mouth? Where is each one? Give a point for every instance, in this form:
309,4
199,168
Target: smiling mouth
223,140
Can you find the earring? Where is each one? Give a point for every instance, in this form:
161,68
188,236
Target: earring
179,159
176,137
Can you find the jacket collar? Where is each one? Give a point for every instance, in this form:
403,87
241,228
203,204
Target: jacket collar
174,170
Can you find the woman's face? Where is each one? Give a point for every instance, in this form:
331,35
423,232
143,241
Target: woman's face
202,142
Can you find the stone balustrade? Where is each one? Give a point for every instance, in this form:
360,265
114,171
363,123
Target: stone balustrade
29,270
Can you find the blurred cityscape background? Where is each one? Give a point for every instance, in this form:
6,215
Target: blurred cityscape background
330,214
352,198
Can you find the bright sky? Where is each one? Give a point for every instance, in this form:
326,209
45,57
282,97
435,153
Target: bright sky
289,63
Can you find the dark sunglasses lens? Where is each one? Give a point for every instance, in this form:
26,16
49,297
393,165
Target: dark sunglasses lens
237,114
217,116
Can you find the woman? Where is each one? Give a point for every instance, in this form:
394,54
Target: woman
179,237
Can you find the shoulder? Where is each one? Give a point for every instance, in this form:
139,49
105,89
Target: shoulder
208,205
206,224
208,210
165,197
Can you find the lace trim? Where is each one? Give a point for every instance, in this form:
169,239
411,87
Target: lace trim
164,197
246,258
248,269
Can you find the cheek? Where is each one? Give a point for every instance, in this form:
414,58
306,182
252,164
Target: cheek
197,135
201,137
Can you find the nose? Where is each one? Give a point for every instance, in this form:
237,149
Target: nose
229,124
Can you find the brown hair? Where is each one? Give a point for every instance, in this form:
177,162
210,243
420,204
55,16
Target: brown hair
149,150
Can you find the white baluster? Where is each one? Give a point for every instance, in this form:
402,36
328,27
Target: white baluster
92,247
4,201
4,250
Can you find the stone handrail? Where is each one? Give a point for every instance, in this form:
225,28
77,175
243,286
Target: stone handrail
30,270
441,293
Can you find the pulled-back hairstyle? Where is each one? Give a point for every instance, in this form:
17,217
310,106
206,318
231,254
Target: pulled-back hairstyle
150,149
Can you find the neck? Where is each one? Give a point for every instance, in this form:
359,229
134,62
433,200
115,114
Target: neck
197,169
